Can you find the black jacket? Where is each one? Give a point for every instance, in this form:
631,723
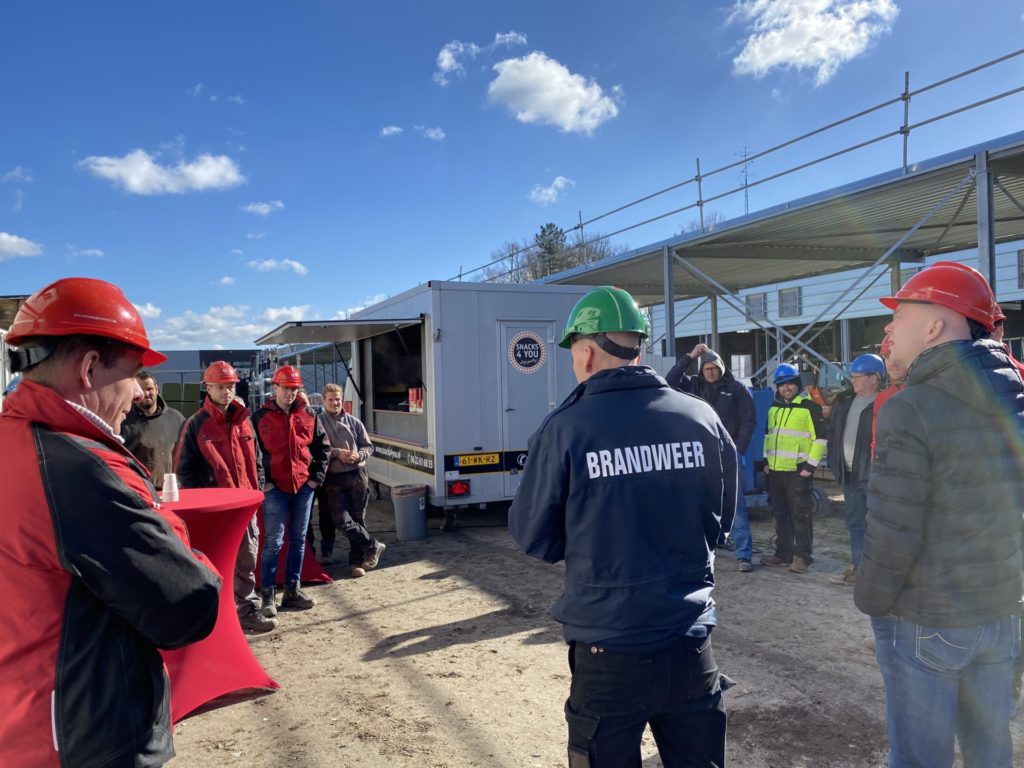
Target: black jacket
730,399
630,483
858,476
946,492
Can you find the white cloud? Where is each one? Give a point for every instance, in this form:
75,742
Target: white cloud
369,301
256,235
220,327
17,173
818,35
390,130
195,90
267,265
237,99
19,201
237,252
539,89
434,134
263,209
285,314
75,252
551,193
148,310
13,247
451,56
139,173
226,280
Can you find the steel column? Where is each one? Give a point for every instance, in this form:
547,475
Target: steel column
986,220
670,305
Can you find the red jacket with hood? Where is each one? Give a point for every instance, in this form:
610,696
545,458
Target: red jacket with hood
96,577
294,445
218,449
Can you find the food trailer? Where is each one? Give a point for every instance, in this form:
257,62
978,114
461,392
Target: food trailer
451,379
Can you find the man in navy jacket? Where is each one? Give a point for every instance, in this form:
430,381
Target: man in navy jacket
630,483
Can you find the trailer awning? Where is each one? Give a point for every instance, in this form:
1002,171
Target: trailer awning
333,331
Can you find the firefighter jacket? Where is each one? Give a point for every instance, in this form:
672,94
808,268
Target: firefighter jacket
293,445
730,399
152,438
794,437
858,476
630,482
946,494
95,577
218,449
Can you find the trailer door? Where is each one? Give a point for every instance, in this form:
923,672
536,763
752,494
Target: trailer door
527,390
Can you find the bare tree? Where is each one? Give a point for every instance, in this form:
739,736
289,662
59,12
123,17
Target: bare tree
711,221
550,252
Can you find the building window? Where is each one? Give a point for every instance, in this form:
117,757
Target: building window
790,304
757,306
1020,269
906,273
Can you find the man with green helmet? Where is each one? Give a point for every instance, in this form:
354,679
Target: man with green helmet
630,483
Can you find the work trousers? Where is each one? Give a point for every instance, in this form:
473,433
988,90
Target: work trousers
347,494
327,533
792,508
246,599
614,695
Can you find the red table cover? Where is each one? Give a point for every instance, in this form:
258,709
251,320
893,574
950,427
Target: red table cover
222,663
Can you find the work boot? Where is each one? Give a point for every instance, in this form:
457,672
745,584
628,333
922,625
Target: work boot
744,566
268,606
296,599
257,622
326,555
775,560
356,571
371,559
844,579
799,565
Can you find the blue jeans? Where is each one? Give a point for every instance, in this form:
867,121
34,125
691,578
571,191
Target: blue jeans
744,548
944,684
282,509
856,502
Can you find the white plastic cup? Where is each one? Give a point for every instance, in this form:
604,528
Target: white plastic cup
170,489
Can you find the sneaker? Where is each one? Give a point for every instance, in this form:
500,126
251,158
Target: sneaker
799,565
775,560
744,566
356,571
370,560
268,606
844,579
296,599
257,622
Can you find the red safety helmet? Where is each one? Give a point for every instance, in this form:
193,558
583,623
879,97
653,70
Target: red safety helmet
83,305
220,372
952,285
287,376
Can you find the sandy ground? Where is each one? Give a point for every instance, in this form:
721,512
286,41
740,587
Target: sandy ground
446,656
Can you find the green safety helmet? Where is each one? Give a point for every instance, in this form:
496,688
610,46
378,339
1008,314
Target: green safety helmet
605,310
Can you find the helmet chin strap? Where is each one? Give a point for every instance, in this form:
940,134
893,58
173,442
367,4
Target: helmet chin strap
613,349
23,358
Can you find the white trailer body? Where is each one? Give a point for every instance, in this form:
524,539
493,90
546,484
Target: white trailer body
487,360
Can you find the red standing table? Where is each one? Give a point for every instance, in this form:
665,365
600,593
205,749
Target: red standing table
222,663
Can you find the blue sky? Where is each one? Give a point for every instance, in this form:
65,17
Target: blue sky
233,165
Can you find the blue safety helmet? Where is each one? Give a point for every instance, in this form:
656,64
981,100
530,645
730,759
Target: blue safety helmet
869,363
785,372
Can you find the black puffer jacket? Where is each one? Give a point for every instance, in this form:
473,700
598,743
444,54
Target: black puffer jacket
946,492
730,399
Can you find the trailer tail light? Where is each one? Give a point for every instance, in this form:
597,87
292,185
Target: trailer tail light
458,488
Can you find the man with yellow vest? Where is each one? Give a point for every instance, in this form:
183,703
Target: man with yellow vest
794,444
